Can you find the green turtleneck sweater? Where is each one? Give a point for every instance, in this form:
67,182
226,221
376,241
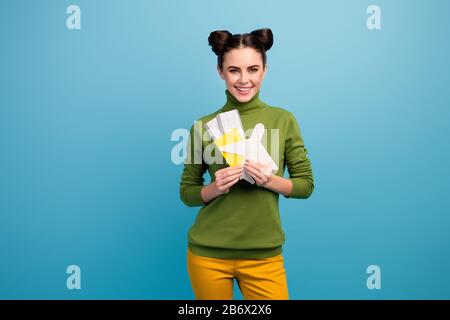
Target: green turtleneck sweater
245,222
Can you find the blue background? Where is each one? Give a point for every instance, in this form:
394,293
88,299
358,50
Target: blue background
86,118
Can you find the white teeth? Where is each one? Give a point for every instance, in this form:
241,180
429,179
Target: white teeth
243,89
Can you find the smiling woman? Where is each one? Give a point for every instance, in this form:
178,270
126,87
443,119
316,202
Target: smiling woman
237,233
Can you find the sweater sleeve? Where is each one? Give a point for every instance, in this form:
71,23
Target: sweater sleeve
194,168
298,164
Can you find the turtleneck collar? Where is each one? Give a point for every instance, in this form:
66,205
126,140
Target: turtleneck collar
253,105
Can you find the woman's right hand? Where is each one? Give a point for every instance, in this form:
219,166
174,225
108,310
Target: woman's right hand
227,177
224,179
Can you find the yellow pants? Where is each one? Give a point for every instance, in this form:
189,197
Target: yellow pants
258,279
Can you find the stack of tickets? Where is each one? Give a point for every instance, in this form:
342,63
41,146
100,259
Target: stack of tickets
228,135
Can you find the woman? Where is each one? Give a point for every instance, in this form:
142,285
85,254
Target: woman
237,233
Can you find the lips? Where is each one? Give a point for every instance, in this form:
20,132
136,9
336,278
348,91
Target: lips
243,90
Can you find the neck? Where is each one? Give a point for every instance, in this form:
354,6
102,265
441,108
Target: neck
253,105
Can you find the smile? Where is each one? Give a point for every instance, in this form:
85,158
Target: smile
243,90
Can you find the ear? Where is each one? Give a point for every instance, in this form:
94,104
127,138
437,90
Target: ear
220,73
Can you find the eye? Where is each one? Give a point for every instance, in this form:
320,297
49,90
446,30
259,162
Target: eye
253,70
233,70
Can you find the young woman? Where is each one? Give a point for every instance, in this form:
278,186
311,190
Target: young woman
237,233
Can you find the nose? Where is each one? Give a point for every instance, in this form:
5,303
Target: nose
244,78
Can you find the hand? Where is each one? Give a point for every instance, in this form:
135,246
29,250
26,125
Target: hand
259,172
227,177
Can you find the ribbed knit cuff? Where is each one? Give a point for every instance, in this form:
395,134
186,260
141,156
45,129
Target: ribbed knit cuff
301,188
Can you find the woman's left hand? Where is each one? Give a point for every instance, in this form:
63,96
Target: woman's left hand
258,172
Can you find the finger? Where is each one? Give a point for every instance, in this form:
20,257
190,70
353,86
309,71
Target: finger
253,165
257,179
266,171
229,184
218,174
223,181
224,171
261,177
232,177
255,172
263,167
263,173
235,169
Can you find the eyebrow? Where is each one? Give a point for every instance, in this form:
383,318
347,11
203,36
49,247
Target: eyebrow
234,67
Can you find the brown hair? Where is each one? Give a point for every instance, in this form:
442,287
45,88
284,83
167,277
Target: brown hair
223,41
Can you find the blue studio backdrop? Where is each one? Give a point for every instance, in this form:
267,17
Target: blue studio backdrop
86,117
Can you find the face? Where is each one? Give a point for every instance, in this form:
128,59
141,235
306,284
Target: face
243,72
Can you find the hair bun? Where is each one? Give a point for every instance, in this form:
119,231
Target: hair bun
264,36
217,40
